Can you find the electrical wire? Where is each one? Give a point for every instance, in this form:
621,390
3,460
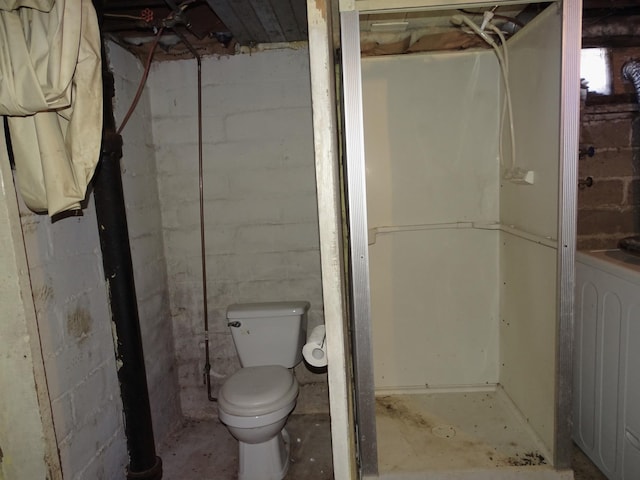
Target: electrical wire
507,103
124,15
143,80
147,16
506,18
503,61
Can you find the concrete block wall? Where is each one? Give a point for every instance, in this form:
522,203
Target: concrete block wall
28,447
65,266
260,200
142,204
70,296
610,209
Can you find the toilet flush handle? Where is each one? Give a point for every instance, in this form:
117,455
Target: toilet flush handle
234,324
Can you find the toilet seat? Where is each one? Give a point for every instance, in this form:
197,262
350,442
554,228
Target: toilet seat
258,421
255,391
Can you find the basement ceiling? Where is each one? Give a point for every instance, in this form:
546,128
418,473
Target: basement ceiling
211,26
222,26
431,30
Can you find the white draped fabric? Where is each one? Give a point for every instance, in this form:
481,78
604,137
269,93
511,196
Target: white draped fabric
51,93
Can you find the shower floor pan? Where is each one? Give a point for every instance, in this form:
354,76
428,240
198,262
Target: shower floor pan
462,435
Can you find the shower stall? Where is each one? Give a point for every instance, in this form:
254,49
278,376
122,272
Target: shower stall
460,187
459,193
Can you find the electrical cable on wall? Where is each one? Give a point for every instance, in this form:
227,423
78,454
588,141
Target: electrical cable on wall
143,81
514,173
176,16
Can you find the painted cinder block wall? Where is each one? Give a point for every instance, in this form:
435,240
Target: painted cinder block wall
27,440
65,266
610,209
70,297
261,228
139,181
260,200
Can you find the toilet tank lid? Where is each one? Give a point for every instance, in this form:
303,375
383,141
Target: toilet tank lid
266,309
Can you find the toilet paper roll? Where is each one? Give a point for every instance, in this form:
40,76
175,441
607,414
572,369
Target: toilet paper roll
315,351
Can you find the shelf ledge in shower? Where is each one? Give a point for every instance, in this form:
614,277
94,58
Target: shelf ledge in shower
510,229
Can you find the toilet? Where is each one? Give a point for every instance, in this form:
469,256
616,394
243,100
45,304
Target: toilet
255,402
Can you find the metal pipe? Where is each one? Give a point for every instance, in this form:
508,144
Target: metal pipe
203,251
118,270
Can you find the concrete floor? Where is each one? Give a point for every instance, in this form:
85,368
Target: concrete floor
204,449
583,468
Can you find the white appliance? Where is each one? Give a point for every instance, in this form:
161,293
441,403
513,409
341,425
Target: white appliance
607,361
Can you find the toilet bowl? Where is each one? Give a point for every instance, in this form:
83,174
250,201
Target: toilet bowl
255,399
256,429
255,402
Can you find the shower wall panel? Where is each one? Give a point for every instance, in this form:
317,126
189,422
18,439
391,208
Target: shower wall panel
534,79
431,130
529,268
434,309
527,330
430,127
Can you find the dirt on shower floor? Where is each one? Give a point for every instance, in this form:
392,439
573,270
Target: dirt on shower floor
451,431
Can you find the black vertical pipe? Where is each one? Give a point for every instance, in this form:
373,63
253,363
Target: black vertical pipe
118,270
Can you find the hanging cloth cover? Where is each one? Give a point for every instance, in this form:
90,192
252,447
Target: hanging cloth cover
51,93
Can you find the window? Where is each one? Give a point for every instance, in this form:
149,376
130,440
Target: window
594,70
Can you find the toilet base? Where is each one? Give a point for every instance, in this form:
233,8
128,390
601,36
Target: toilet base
265,461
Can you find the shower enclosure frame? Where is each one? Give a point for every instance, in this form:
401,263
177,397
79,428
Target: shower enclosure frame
364,398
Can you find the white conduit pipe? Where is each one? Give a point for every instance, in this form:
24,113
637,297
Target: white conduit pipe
503,60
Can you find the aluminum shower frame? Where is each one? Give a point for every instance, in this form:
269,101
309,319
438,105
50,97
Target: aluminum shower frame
358,238
567,207
365,402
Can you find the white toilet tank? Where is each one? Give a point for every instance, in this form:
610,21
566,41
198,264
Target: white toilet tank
270,333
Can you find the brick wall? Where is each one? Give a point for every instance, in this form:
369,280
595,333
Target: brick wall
610,209
260,202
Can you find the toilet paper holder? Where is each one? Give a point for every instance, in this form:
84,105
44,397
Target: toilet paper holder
318,352
314,351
